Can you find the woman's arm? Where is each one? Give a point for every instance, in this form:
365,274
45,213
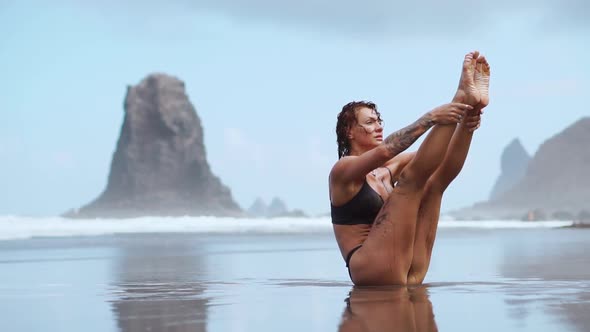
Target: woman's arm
395,165
355,168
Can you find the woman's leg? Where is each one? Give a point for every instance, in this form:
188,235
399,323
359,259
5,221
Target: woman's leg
387,253
429,211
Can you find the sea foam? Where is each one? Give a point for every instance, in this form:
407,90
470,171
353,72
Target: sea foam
16,227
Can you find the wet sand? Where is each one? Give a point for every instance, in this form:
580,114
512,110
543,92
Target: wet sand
484,280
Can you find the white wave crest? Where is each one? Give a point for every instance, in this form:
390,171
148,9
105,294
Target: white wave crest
14,227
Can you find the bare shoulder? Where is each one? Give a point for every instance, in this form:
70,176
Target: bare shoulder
340,167
342,186
353,169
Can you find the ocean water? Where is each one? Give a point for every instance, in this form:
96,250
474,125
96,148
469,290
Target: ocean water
15,227
211,274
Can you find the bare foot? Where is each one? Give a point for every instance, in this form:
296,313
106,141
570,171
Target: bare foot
467,92
482,80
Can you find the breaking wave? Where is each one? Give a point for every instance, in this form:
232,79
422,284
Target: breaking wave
15,227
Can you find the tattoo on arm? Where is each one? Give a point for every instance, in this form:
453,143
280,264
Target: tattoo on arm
403,138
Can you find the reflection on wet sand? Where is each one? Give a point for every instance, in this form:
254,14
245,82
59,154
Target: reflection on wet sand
372,309
157,288
553,274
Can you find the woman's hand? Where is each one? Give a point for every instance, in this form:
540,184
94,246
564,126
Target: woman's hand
473,120
451,113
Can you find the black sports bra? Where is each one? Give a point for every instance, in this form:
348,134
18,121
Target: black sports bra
361,209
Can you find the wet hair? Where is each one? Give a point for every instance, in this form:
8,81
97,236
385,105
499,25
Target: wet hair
346,119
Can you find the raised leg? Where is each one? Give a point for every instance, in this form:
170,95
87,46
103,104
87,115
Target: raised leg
429,211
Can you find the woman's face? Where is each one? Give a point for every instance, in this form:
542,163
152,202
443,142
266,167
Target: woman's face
368,131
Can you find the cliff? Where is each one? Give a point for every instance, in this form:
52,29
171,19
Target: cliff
556,181
159,166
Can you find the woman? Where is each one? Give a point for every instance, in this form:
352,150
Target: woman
385,204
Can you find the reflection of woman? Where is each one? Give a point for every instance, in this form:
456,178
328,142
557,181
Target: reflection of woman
388,309
386,204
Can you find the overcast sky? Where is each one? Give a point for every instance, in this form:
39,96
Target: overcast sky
267,79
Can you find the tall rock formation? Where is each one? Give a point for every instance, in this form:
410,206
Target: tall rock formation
514,162
556,180
160,166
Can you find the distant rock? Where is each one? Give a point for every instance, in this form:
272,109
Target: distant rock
159,167
277,208
257,209
583,219
556,181
514,162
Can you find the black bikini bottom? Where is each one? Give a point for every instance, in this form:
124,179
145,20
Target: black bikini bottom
349,256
